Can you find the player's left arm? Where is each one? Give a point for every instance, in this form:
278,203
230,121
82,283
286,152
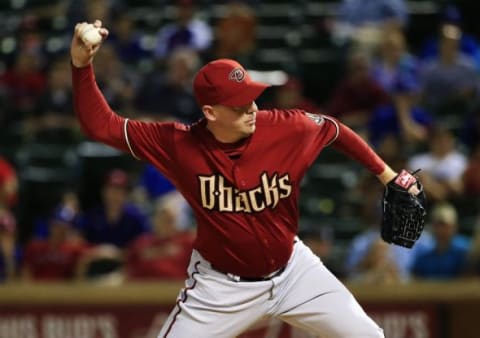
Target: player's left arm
350,143
403,199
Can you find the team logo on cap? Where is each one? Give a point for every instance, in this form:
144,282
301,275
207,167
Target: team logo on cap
238,75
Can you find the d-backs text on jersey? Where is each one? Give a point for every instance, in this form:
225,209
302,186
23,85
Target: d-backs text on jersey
218,195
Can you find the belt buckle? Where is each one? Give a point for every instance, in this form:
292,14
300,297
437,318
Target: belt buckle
233,277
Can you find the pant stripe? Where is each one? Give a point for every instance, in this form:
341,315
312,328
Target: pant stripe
182,300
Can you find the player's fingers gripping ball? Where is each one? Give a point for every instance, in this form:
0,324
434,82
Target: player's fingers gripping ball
403,211
90,35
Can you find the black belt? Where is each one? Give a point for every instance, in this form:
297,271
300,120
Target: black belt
253,279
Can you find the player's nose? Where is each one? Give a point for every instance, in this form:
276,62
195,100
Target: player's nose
253,108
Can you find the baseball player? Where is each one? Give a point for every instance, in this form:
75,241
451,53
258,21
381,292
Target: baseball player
240,170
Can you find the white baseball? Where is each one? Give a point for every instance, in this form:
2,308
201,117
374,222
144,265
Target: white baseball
91,35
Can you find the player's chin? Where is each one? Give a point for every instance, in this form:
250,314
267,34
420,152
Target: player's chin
250,128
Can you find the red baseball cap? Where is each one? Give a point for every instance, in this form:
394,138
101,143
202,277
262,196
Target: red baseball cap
225,82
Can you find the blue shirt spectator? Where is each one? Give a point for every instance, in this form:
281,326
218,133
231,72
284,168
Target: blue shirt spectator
442,264
468,44
167,94
448,258
401,78
154,183
187,31
359,12
397,71
97,229
403,257
384,122
115,221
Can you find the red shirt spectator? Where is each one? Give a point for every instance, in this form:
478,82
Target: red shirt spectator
165,253
8,184
56,257
23,83
47,261
291,96
151,257
358,94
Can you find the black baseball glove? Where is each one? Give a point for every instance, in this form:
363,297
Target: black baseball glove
403,212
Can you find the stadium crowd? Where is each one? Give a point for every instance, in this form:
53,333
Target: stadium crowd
73,210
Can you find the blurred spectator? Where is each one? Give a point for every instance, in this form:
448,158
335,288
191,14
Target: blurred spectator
56,257
357,95
48,10
394,68
54,119
31,39
450,79
69,205
23,84
290,95
378,267
448,258
127,39
362,21
442,166
8,184
188,31
370,12
236,34
468,44
166,252
90,10
115,221
9,252
397,72
117,81
167,94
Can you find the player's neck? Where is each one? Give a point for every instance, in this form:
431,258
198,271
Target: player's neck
225,136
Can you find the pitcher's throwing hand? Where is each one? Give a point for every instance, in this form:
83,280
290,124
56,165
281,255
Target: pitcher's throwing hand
82,52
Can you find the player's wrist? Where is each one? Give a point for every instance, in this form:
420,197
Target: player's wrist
387,175
78,64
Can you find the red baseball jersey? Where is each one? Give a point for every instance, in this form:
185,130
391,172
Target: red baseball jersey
244,195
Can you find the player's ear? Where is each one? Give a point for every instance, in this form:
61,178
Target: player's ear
209,113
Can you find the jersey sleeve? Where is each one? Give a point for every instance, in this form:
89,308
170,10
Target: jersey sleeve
316,132
96,118
324,130
152,141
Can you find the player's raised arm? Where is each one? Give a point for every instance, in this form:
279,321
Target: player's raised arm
84,46
96,118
